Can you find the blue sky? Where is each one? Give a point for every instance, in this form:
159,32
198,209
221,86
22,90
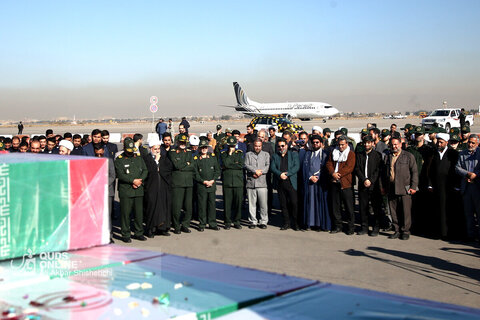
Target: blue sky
106,58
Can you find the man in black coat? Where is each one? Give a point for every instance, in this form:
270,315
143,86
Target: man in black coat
367,169
158,190
111,148
442,179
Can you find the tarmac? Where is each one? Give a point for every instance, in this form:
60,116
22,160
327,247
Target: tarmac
420,267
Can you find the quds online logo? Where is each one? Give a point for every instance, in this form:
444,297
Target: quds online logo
45,262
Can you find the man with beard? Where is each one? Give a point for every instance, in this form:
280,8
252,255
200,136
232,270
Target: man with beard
167,141
421,200
207,170
315,177
400,182
182,184
77,145
131,173
100,153
157,196
96,138
468,167
441,183
110,147
340,166
257,163
284,166
65,147
367,168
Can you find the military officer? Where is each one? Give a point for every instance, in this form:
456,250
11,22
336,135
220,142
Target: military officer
219,135
131,172
465,134
232,167
182,184
207,170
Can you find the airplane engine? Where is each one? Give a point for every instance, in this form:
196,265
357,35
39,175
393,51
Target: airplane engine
305,119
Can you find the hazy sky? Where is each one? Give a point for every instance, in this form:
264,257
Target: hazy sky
106,58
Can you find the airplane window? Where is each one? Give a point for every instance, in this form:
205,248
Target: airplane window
326,107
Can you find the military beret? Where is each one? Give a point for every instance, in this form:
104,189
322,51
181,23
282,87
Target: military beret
368,138
465,129
364,131
231,141
454,137
385,132
419,130
182,137
408,126
203,143
454,131
128,144
219,126
396,134
326,130
344,130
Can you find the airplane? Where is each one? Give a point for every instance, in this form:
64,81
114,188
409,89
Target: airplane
301,110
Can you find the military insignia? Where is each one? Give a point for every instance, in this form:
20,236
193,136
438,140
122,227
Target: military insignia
195,158
120,157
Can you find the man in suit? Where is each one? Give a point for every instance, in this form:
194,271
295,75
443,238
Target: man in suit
468,167
441,178
340,166
284,166
400,182
88,150
111,148
161,128
112,176
367,168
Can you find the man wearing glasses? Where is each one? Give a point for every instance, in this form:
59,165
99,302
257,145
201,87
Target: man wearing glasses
284,167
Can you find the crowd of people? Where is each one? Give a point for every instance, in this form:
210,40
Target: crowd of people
404,182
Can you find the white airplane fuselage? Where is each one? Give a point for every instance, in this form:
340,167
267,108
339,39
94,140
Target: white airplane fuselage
301,110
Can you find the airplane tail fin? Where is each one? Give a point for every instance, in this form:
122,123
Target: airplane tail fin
241,96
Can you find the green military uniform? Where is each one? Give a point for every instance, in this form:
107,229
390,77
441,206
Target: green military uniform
232,167
349,139
182,185
218,136
361,145
464,143
142,151
206,169
128,167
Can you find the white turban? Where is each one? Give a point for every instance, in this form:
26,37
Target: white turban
67,144
194,140
154,142
443,136
317,128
